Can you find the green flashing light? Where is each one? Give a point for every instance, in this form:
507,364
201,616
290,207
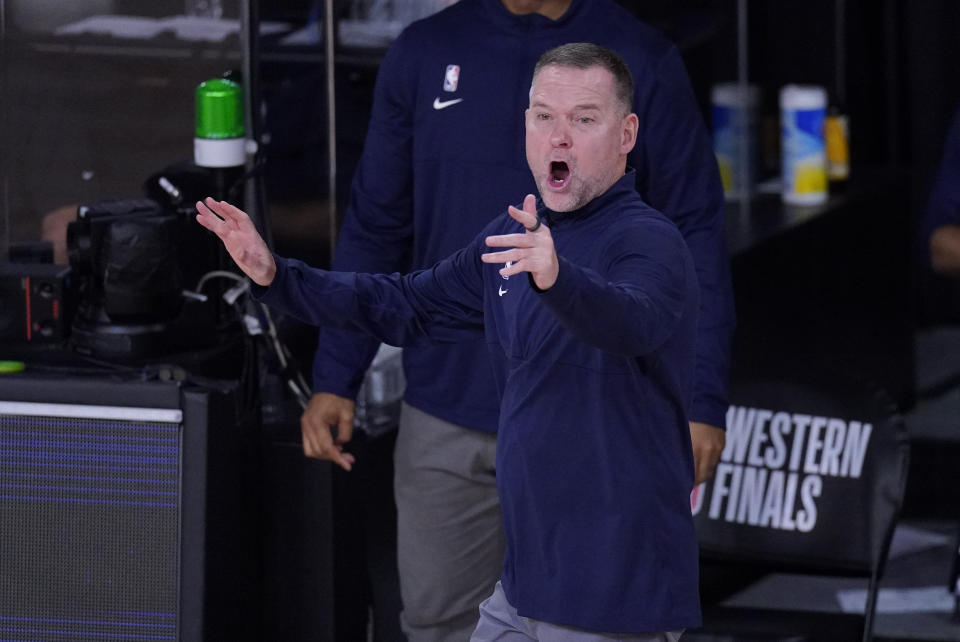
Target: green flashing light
219,104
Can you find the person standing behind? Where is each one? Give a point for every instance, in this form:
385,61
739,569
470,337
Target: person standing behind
942,218
588,300
443,153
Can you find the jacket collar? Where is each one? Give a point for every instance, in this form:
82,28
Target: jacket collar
532,22
626,184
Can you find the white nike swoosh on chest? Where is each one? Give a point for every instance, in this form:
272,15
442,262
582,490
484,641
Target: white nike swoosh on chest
443,104
501,291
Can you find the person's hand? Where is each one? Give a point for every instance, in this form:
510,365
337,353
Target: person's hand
327,424
240,238
708,442
945,250
532,251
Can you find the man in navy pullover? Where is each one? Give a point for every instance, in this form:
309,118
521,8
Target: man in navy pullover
445,130
588,305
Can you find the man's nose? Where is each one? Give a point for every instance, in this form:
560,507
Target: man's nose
560,135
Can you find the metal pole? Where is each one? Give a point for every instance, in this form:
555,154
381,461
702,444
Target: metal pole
743,144
329,32
892,78
840,52
253,196
4,146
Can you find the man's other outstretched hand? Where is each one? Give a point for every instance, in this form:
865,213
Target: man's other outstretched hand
240,238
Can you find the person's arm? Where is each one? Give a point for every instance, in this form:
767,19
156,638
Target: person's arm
678,175
376,236
443,302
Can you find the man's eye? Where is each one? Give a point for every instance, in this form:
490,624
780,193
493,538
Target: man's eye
585,120
543,116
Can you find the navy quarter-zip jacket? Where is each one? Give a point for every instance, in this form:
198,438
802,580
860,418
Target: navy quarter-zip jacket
441,161
593,379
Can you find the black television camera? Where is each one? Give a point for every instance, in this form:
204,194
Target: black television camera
125,259
135,262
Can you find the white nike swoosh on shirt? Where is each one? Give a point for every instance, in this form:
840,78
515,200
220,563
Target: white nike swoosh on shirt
443,104
501,291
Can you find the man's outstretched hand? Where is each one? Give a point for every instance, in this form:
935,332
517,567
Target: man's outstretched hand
531,251
240,238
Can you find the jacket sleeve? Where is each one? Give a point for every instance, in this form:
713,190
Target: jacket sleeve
377,230
637,303
443,303
678,175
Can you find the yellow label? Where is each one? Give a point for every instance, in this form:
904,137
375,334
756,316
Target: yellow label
726,174
810,178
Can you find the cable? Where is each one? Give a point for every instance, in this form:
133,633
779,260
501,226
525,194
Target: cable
233,192
292,375
249,313
258,321
224,274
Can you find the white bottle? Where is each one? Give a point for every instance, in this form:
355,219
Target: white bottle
378,401
735,137
803,109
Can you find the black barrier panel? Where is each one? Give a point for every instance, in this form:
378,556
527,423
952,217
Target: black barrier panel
811,477
127,508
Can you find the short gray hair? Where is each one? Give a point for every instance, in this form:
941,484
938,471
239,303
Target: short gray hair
584,55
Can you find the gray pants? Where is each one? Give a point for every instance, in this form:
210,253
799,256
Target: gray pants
500,621
449,533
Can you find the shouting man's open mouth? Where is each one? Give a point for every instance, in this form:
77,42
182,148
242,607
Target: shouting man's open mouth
559,173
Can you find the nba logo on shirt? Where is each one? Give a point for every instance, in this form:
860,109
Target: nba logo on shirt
451,78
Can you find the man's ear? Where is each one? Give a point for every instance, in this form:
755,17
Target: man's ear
629,133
